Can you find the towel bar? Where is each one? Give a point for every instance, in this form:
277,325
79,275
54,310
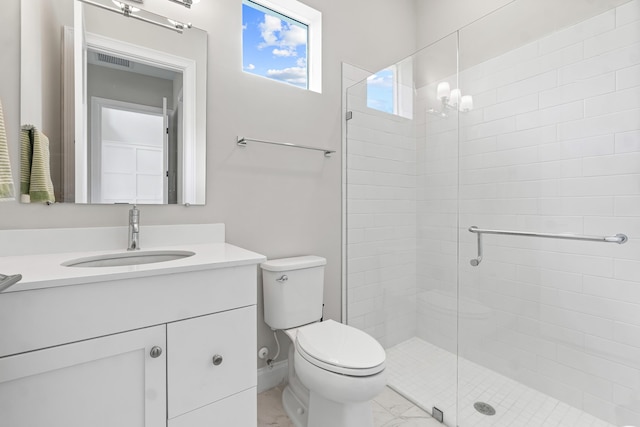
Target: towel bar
242,142
618,238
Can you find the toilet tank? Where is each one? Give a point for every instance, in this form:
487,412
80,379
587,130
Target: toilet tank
293,291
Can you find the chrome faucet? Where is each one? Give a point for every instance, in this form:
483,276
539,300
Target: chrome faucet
134,229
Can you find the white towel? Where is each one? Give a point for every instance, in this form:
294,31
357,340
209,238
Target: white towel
7,191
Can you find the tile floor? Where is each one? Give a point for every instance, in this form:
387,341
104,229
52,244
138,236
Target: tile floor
427,374
389,410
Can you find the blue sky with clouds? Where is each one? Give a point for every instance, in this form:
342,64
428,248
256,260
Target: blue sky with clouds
273,45
380,87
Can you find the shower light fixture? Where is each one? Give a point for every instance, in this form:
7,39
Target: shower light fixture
451,100
186,3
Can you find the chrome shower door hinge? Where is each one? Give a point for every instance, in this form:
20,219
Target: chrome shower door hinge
437,414
349,115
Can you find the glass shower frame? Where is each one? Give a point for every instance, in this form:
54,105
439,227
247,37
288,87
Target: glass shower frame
541,325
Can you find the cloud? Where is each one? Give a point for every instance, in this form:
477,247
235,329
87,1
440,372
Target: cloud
293,75
293,36
244,27
268,30
250,67
284,52
385,80
282,35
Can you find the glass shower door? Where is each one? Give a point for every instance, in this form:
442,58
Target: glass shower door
549,329
401,219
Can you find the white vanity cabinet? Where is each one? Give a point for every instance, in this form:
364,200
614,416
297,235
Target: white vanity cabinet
170,345
206,364
102,382
210,370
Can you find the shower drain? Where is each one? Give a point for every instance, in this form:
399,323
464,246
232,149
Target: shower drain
484,408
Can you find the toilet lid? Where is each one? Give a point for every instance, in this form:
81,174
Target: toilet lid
340,348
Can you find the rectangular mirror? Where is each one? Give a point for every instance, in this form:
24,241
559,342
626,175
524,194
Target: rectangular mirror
117,96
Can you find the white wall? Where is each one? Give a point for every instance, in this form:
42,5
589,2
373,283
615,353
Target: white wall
276,201
42,77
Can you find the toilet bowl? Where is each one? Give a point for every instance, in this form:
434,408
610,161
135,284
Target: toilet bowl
340,370
334,369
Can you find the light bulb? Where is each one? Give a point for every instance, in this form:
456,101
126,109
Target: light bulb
444,90
455,96
466,103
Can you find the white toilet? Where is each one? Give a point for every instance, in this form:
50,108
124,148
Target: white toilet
334,369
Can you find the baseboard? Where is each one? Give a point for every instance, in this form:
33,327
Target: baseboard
272,376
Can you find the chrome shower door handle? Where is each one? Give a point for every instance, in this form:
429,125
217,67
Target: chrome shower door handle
476,261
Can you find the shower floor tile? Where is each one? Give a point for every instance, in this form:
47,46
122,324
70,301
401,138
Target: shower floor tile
426,375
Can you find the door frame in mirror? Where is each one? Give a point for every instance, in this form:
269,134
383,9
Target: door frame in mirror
152,57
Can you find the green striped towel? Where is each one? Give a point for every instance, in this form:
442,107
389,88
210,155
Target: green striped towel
35,176
6,179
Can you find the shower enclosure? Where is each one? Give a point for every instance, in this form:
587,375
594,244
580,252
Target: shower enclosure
526,125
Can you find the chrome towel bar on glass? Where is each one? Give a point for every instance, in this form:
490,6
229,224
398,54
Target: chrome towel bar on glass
242,142
618,238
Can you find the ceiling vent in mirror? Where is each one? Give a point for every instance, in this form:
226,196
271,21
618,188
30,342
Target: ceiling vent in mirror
113,60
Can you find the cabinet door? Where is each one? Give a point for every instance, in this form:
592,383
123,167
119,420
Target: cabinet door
194,380
102,382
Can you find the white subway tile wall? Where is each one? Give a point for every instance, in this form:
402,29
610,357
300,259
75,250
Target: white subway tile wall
553,145
566,158
381,221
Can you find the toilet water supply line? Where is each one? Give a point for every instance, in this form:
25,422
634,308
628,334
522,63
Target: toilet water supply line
270,361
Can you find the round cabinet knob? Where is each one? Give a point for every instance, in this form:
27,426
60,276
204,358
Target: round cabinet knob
155,351
217,359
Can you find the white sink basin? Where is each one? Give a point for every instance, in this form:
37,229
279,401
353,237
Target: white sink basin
128,258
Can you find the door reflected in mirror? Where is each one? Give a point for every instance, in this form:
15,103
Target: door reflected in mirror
133,94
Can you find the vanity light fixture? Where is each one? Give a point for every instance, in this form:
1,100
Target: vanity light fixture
179,26
451,100
126,9
186,3
130,12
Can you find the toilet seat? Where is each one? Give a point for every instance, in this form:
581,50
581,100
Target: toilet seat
340,348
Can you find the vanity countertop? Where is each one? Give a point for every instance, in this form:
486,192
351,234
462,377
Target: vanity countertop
38,254
46,270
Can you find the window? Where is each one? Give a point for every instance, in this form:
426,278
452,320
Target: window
282,41
381,93
391,89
